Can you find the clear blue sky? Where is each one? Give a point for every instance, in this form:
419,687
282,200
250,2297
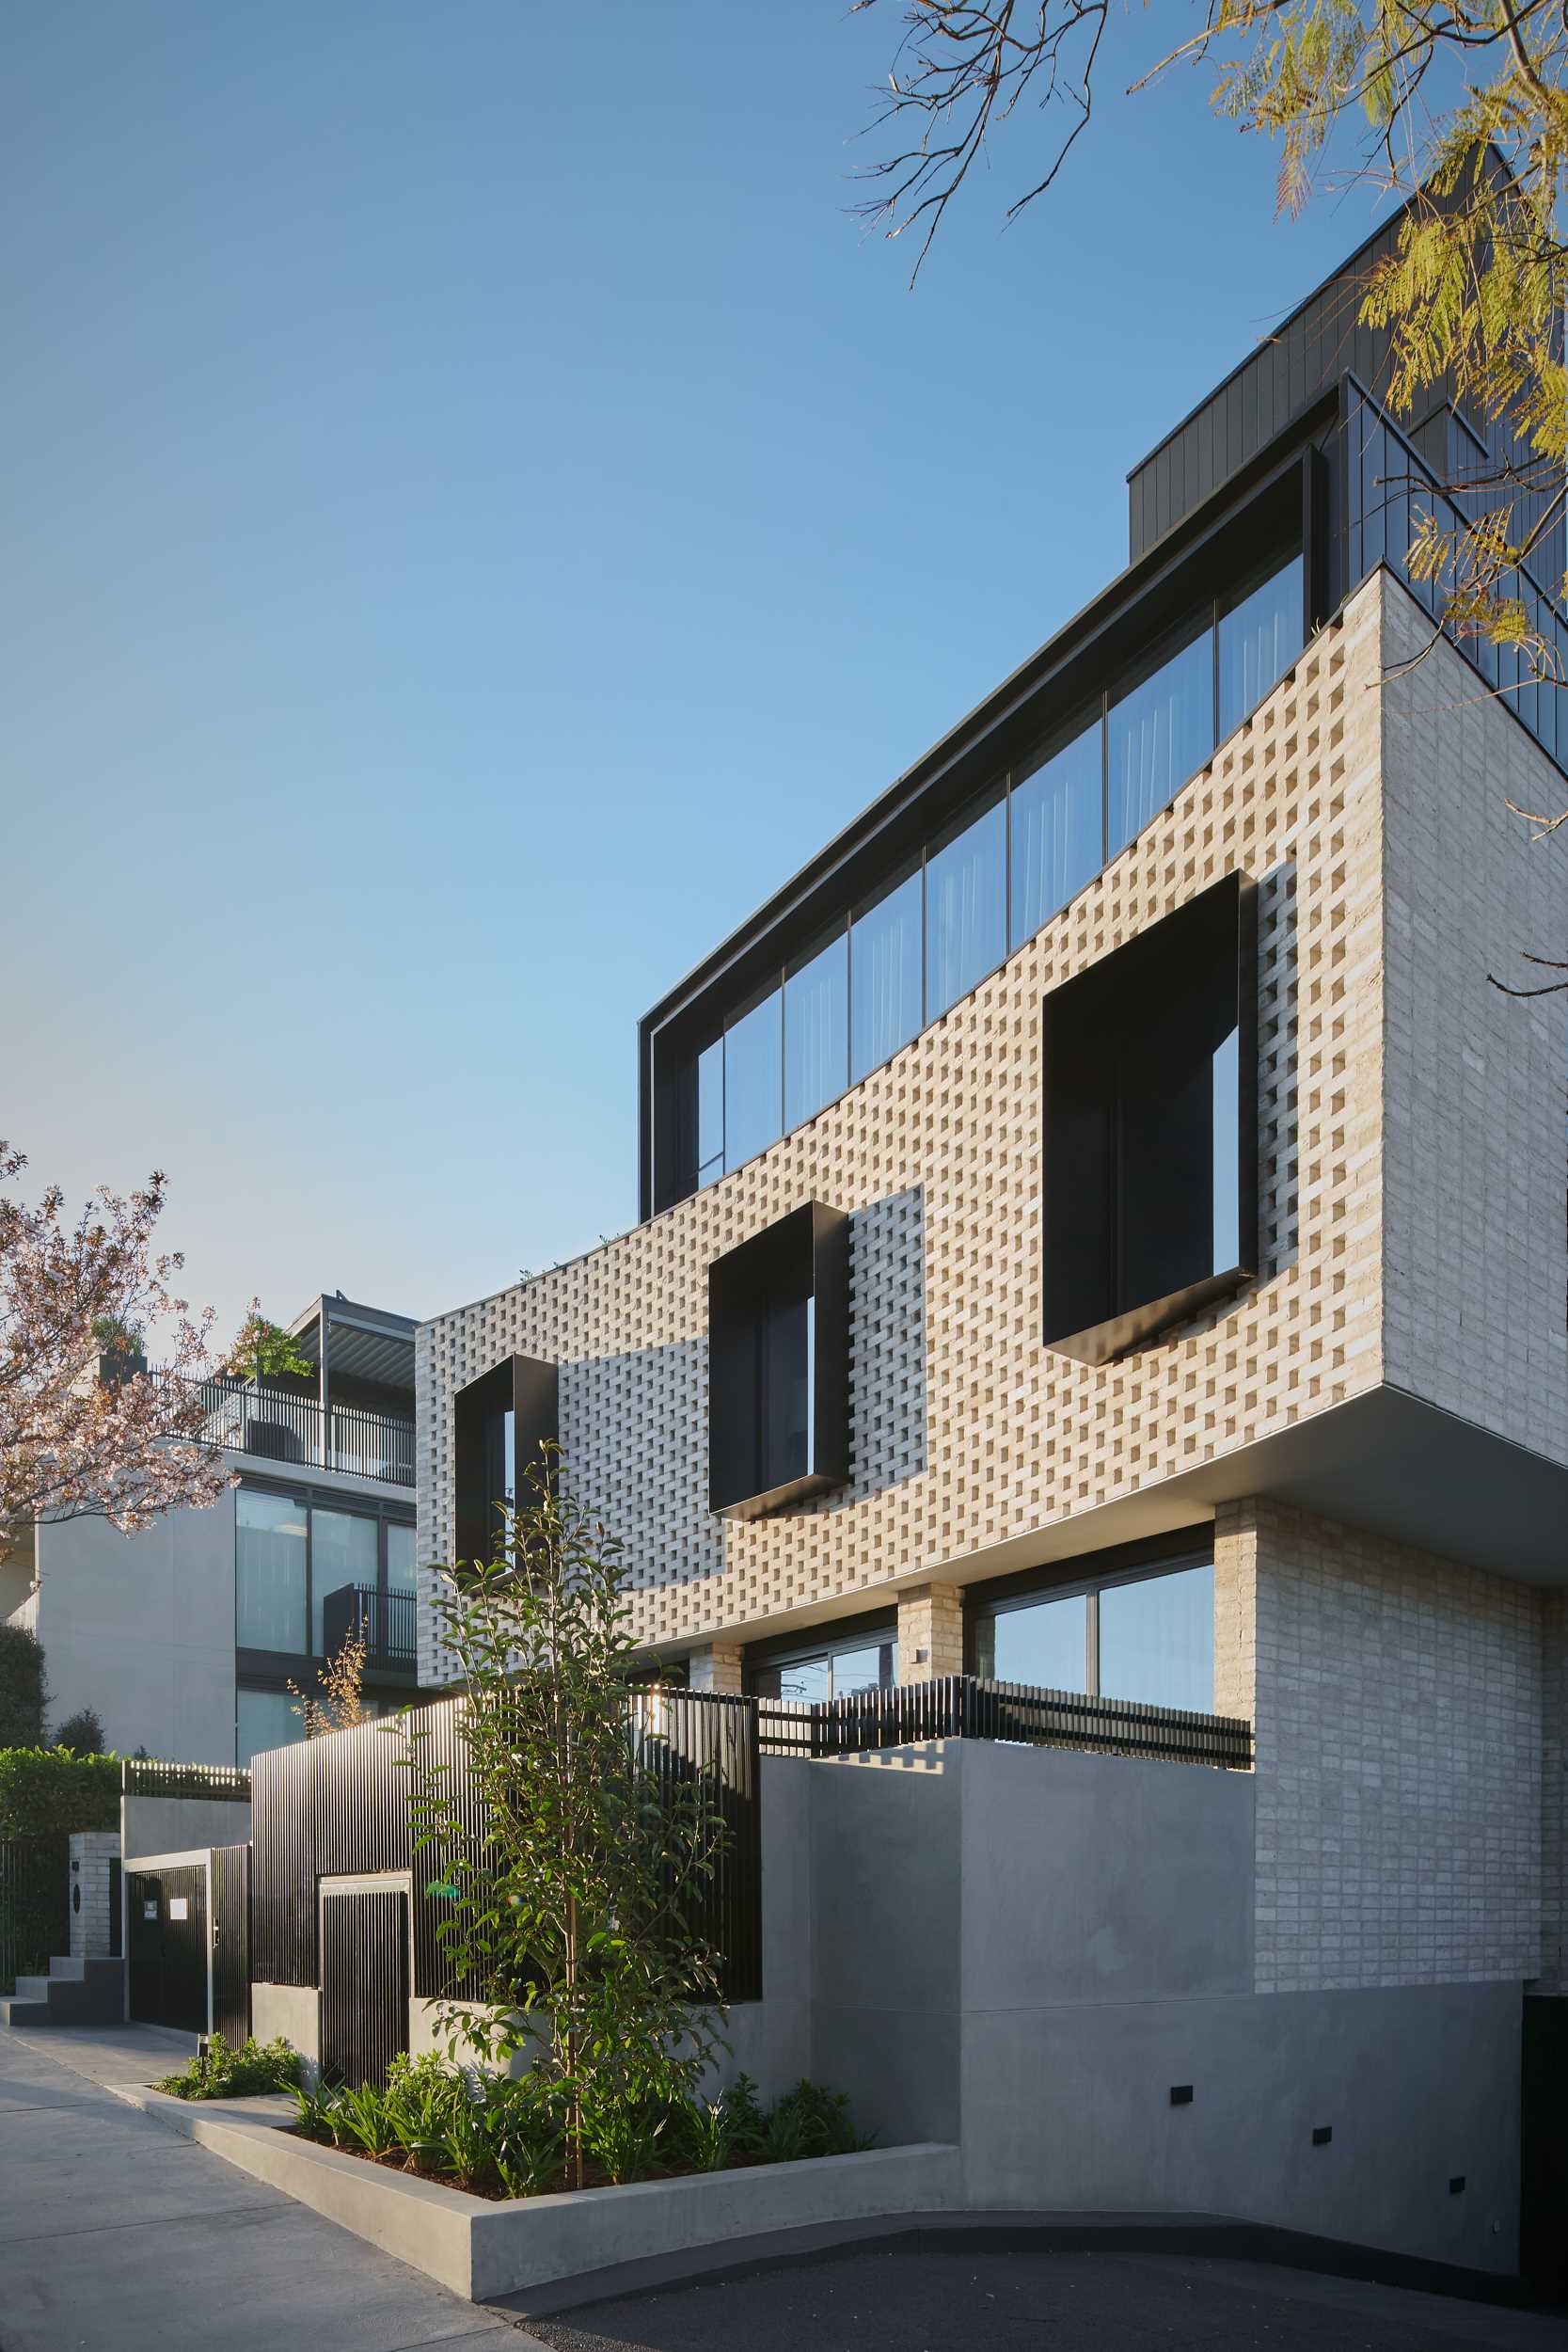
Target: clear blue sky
477,512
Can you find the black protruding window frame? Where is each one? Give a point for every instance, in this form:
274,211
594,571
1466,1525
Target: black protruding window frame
1124,1049
529,1389
801,1260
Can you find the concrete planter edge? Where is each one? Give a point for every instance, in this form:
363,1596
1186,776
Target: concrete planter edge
480,2248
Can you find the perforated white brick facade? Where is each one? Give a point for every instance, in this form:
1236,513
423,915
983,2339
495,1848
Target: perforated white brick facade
967,1432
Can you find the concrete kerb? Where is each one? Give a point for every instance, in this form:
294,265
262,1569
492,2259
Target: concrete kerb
482,2249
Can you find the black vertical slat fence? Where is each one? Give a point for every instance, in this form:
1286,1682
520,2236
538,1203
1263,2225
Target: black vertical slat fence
231,1943
34,1904
283,1864
339,1806
961,1707
364,2020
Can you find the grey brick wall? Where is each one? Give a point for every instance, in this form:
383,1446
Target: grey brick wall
1476,1264
1554,1793
1396,1703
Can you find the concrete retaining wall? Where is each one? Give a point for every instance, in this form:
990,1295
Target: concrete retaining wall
480,2248
1024,1951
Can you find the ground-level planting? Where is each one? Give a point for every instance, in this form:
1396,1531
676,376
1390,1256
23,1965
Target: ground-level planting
502,2137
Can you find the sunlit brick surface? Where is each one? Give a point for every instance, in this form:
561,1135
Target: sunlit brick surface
967,1431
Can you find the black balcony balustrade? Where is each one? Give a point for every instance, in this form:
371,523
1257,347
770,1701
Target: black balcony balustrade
279,1426
961,1707
386,1621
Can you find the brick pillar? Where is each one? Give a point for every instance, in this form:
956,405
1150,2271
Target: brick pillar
930,1632
1236,1609
716,1668
92,1852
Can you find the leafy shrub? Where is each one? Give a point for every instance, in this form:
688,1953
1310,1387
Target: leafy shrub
21,1688
45,1788
82,1733
227,2073
498,2136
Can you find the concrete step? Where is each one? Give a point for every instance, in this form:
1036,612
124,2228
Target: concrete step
75,1993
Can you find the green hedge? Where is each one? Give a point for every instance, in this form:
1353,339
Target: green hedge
48,1788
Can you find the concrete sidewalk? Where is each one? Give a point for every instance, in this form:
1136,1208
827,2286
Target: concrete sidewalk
117,2235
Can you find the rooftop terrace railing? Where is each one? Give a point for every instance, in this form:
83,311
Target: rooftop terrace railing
961,1707
283,1427
1388,490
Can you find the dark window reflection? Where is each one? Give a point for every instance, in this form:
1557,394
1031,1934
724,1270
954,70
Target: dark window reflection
785,1331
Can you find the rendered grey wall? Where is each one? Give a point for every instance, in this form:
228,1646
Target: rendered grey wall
1070,2108
172,1824
886,1899
141,1628
770,2040
1028,1948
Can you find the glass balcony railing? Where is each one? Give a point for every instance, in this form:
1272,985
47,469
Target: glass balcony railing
1390,493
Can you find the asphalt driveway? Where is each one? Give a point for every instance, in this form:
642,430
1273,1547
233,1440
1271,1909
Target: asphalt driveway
891,2301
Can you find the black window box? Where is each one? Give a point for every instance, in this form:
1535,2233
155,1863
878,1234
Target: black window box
1150,1165
779,1364
490,1455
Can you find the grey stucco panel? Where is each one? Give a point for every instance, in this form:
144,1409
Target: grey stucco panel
1091,1878
885,1863
1417,2084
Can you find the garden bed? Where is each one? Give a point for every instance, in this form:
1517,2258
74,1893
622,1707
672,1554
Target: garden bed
481,2248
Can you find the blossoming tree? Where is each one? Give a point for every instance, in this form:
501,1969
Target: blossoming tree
72,1444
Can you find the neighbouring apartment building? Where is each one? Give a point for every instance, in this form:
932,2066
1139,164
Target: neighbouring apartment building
1102,1231
184,1638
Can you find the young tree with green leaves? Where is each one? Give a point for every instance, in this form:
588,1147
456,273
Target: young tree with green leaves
1458,108
576,1918
262,1350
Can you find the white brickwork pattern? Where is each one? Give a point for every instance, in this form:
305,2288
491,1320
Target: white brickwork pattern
92,1852
1397,1706
967,1431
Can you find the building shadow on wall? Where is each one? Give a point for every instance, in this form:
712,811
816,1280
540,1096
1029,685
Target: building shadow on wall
635,1424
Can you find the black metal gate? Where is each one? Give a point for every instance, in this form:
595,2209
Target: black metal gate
168,1955
34,1904
364,2014
231,1943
